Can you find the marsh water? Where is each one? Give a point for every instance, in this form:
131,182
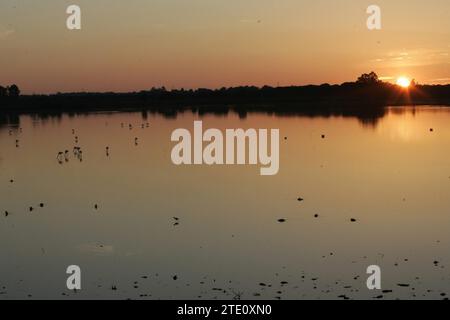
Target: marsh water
140,227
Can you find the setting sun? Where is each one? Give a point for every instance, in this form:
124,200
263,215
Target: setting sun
403,82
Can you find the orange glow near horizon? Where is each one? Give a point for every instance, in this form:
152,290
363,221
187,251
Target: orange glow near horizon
140,44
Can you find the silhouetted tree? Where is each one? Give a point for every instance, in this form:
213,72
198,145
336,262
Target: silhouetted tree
368,78
3,92
13,91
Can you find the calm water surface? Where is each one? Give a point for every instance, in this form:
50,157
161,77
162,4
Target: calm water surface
392,176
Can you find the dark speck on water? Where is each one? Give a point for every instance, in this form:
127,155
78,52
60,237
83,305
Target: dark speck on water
353,220
281,220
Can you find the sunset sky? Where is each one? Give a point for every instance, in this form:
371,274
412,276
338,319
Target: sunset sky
137,44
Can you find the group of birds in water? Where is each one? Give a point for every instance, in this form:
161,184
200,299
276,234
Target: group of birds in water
62,157
17,140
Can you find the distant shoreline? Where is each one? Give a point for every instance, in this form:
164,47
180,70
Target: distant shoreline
359,97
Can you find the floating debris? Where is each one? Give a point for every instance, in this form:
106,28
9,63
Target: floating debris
175,277
353,220
281,220
300,199
41,205
402,284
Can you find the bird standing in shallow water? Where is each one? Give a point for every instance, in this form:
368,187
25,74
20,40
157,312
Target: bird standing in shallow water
59,157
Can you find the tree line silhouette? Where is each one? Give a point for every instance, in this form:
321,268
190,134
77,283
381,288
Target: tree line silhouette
11,91
367,92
